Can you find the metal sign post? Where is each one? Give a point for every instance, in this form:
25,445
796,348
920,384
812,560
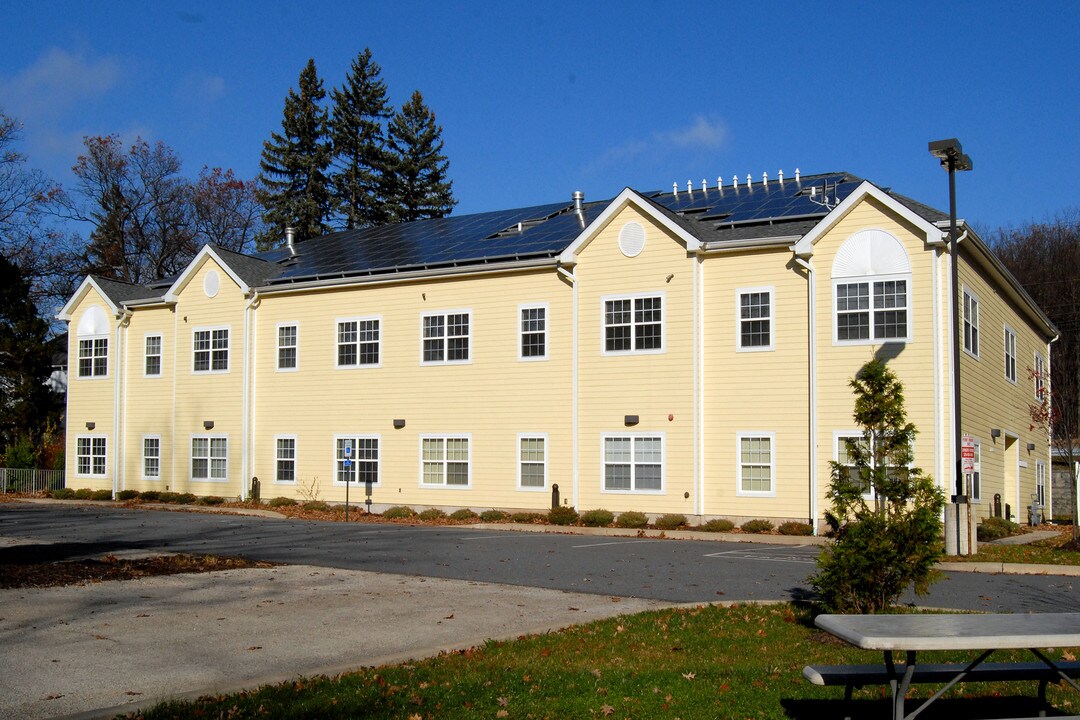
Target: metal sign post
347,462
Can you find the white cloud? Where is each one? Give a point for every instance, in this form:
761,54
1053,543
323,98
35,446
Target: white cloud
55,82
200,90
701,134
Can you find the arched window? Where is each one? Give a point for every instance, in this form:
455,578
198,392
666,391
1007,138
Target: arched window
871,277
93,335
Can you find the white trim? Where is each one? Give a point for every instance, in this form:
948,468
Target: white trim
1007,331
521,331
358,319
870,280
467,437
377,437
751,435
1039,382
697,277
80,293
160,354
575,424
634,437
295,458
976,498
975,350
295,325
544,462
143,458
228,350
93,339
444,314
173,293
633,298
209,437
769,290
105,464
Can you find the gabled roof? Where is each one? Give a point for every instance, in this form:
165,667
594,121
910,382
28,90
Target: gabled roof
114,292
245,270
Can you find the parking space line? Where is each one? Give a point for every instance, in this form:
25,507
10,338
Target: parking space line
617,542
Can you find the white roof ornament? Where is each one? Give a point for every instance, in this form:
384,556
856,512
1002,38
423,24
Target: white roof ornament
675,189
765,179
719,183
780,175
689,187
748,182
704,186
735,181
796,174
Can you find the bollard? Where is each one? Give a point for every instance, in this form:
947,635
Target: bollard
1008,511
254,495
554,496
997,505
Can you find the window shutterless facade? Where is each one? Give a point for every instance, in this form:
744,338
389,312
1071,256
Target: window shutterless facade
445,337
359,342
1010,354
93,357
285,459
1040,377
1040,483
755,321
91,455
210,350
971,323
532,462
872,310
445,461
209,458
633,462
633,324
152,359
288,346
532,343
356,459
757,463
151,457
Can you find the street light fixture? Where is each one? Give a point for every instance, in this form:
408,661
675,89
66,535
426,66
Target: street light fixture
952,158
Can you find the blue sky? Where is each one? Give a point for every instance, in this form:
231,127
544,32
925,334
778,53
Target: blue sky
540,99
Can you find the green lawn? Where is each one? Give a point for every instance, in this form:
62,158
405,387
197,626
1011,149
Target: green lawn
1043,552
706,662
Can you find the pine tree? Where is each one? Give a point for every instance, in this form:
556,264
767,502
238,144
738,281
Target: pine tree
359,145
419,169
295,189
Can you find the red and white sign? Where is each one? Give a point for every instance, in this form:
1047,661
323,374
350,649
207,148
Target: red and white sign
967,454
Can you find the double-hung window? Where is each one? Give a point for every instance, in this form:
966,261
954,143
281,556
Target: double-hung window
285,459
446,337
755,329
152,360
533,332
210,350
1010,354
94,357
757,463
971,323
1040,483
288,340
444,461
633,463
974,479
358,341
90,456
872,310
845,442
151,457
209,458
1040,377
356,459
532,462
633,324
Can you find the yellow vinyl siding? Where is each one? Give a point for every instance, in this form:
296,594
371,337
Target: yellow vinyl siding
148,401
91,399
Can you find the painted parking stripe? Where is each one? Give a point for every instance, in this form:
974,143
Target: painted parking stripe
617,542
743,555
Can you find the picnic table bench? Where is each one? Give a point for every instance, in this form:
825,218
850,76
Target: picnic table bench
912,633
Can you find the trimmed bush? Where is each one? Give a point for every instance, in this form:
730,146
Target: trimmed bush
125,495
493,515
338,509
463,514
62,493
150,495
756,526
84,494
791,527
632,519
995,528
169,497
186,498
597,518
718,525
211,500
316,506
281,502
399,512
101,495
525,517
431,514
672,521
562,516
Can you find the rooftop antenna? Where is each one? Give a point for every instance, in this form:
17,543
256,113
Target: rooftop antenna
825,201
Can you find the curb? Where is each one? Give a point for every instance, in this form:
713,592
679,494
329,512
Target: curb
652,534
1001,568
156,506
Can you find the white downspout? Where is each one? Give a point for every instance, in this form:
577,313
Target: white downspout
573,385
812,382
122,320
699,403
939,395
245,440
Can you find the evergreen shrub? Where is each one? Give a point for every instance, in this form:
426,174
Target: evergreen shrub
671,521
756,526
562,516
718,525
597,518
792,527
463,514
493,516
431,514
632,519
281,502
399,512
125,495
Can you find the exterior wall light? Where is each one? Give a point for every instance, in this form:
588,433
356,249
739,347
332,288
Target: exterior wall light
91,425
1031,446
995,433
208,424
630,419
399,423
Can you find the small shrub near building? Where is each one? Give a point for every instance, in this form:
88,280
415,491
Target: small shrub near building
62,494
281,502
210,500
83,494
493,516
632,519
186,498
431,514
125,495
795,528
671,521
399,512
597,518
169,497
562,516
995,528
101,495
463,514
718,525
525,517
316,506
756,526
150,495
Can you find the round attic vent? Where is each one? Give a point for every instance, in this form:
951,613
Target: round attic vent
632,239
211,283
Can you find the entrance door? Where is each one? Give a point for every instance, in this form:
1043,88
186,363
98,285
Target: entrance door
1011,484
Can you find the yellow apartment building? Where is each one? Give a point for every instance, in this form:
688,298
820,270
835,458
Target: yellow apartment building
668,352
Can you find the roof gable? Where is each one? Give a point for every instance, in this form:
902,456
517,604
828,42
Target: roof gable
208,252
90,283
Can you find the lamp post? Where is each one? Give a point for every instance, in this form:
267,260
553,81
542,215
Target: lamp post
952,159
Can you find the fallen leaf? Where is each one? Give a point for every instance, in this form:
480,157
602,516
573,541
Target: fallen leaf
502,713
503,702
690,675
606,710
255,647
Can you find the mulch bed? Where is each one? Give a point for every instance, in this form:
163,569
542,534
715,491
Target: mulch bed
80,572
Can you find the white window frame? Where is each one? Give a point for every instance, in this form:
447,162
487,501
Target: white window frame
1040,376
91,454
634,438
467,437
147,354
633,325
1040,483
770,318
354,467
279,458
156,458
210,358
840,435
969,320
94,344
210,474
1010,354
295,347
973,487
522,332
358,343
755,435
521,461
446,337
871,310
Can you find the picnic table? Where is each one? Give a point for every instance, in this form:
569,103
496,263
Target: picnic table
985,633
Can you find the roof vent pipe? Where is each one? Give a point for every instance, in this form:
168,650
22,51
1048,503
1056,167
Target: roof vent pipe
796,174
290,240
579,206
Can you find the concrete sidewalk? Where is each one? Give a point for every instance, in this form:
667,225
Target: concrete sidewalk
105,648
